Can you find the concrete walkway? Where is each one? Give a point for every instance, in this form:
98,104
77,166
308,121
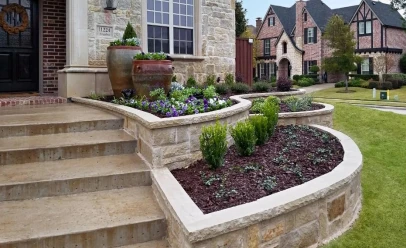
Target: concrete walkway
400,111
317,87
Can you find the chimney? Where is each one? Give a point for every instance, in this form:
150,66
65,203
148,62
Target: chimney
258,25
299,23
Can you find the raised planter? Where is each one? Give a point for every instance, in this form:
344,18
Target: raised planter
281,95
323,117
119,64
148,75
307,215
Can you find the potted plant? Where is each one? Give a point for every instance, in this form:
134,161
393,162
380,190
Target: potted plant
151,71
120,54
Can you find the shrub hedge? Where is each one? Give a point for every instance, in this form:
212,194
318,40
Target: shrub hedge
365,76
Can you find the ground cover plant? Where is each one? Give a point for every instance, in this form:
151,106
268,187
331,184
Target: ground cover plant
290,104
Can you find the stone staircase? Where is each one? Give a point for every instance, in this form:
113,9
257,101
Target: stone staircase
70,178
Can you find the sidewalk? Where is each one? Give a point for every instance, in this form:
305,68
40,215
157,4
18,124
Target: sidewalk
317,87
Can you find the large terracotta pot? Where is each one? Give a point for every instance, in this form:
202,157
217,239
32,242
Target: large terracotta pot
149,75
119,64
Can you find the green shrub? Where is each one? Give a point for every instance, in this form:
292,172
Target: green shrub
339,84
297,77
129,32
150,56
296,104
402,63
94,96
213,144
365,76
210,92
273,79
313,76
365,84
244,137
229,80
191,82
314,69
284,84
221,89
159,94
399,77
240,88
261,87
210,80
395,84
355,82
305,82
373,85
386,86
260,124
257,105
273,99
271,111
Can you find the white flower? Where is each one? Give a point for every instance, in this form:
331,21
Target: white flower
212,101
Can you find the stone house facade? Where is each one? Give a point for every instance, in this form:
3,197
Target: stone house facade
61,47
290,39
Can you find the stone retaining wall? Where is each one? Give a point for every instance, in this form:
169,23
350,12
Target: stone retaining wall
281,95
307,215
322,117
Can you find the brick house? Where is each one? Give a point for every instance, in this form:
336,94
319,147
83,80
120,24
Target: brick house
59,46
290,38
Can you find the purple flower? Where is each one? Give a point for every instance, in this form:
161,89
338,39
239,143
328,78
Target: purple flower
168,114
205,101
196,111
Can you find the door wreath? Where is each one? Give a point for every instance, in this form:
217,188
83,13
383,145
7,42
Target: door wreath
18,9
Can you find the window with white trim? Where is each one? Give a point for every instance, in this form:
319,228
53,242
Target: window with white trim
170,26
365,66
267,47
310,64
361,27
271,21
368,27
271,69
310,35
261,70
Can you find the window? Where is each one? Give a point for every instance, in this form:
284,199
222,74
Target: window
267,47
170,26
310,64
271,21
365,66
361,27
365,27
261,70
310,35
272,67
284,47
305,17
368,27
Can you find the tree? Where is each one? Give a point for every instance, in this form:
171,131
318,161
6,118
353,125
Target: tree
340,39
398,4
240,20
129,32
383,64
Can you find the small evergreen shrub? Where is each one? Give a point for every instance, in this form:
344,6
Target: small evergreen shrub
314,69
271,111
240,88
261,87
402,63
367,77
210,80
257,105
221,89
386,86
284,84
260,124
244,137
272,79
373,85
129,32
210,92
191,82
213,144
273,99
296,77
395,84
305,82
339,84
229,80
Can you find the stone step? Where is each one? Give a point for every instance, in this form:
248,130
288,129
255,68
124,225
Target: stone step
152,244
72,176
40,148
102,219
60,119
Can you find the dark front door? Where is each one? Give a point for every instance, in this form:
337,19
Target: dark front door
19,45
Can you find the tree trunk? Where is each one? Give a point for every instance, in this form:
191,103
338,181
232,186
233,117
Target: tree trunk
346,82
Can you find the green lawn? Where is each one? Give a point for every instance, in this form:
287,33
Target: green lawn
381,137
359,94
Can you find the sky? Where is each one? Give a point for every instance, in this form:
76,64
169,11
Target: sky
258,8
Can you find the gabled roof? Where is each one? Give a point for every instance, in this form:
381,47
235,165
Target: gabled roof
320,12
346,13
386,14
287,16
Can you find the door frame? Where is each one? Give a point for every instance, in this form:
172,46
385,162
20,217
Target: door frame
40,36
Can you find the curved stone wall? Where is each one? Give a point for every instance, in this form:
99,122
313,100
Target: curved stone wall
281,95
307,215
322,117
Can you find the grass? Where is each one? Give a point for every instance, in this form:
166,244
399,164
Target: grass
375,103
359,94
381,138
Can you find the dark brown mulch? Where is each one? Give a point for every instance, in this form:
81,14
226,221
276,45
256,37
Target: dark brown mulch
285,109
294,155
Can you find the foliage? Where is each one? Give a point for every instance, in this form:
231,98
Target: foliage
340,39
399,77
221,89
271,111
240,20
176,86
395,84
239,79
402,63
95,96
210,92
257,105
211,80
284,84
260,124
373,85
150,56
296,104
305,82
174,78
273,100
385,86
355,82
261,87
229,80
240,88
213,144
158,94
191,82
384,63
184,94
244,137
297,77
273,79
314,69
129,32
365,76
269,183
128,42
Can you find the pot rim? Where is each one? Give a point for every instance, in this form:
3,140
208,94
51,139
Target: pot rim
124,47
166,61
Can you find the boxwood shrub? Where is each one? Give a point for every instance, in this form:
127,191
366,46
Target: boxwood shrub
365,76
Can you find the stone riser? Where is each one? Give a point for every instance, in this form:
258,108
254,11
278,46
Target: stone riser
55,128
103,238
69,152
73,186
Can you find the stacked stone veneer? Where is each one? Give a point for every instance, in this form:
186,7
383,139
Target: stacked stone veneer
215,36
323,117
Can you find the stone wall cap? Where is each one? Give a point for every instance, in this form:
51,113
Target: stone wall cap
187,57
324,111
84,70
198,226
286,93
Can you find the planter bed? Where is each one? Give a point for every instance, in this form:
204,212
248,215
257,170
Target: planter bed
294,155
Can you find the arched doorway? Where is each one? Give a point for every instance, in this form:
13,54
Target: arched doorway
284,68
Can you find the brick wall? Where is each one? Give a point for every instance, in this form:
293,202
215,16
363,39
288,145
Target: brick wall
54,43
269,32
312,51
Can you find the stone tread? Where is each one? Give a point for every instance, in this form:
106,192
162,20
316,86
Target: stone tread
81,213
46,109
15,174
63,140
151,244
